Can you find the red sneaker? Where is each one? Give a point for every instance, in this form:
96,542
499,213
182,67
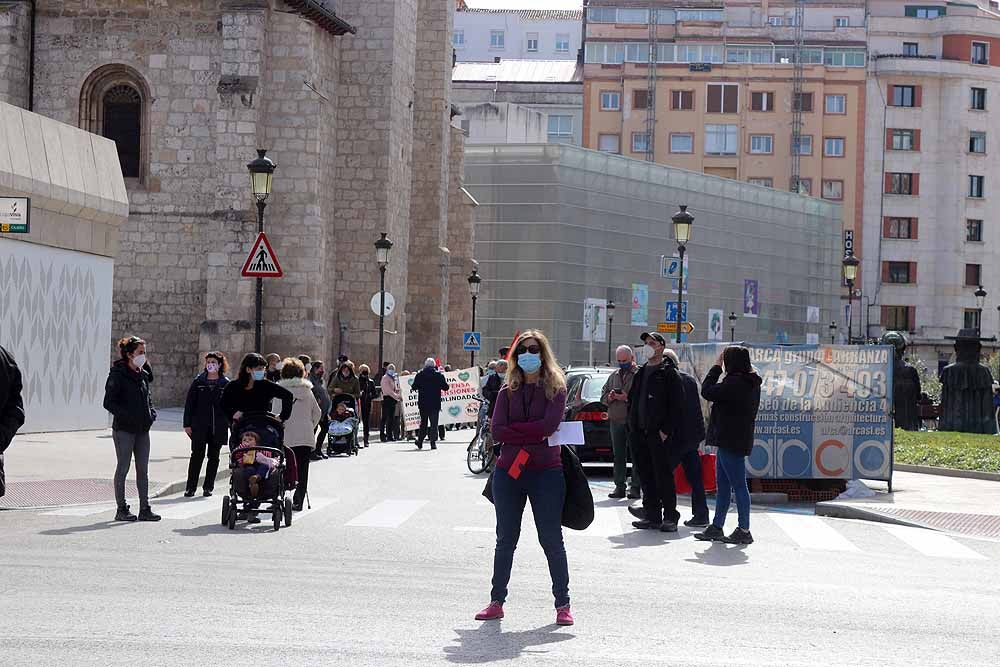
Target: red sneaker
492,613
564,616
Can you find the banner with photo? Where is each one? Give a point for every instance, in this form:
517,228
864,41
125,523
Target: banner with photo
825,410
458,404
640,305
751,298
716,328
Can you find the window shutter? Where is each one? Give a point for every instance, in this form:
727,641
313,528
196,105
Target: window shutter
913,228
888,183
885,272
913,272
888,137
714,99
911,316
916,140
917,95
892,95
730,95
885,227
689,99
915,180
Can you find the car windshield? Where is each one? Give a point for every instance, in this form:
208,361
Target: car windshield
592,387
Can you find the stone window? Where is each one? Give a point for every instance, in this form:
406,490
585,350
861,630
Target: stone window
973,275
114,103
978,102
562,43
682,143
974,231
497,39
971,318
911,49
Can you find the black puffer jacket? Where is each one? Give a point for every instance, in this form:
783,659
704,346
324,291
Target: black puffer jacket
203,412
693,423
734,409
11,406
127,397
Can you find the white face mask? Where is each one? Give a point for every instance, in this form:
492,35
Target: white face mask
280,365
650,351
212,368
139,360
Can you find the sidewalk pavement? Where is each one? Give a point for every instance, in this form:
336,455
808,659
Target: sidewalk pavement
952,504
77,467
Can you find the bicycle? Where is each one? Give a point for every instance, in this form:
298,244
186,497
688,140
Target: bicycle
480,456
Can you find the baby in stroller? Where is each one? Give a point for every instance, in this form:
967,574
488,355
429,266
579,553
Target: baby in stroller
253,471
342,436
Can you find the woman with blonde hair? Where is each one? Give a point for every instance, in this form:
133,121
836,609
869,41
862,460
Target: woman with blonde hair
528,410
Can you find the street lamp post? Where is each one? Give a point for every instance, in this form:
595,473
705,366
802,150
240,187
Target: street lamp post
682,233
261,177
474,283
850,274
382,248
611,322
732,326
833,333
980,302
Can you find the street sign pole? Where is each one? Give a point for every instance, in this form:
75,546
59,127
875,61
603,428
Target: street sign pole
472,355
680,290
259,324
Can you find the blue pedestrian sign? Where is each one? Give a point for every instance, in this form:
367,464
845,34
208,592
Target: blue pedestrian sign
671,311
472,341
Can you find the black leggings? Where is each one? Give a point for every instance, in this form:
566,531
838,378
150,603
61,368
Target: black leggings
199,448
390,425
302,462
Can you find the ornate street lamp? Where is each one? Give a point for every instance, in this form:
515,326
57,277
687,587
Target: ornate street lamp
611,322
475,282
261,179
732,326
850,264
382,248
980,295
833,333
682,234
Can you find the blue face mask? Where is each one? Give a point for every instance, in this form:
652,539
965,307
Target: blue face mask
625,365
258,375
529,363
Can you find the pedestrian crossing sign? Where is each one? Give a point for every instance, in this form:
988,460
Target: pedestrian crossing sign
261,262
472,341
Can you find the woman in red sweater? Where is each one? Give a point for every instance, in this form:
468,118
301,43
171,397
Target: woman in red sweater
528,410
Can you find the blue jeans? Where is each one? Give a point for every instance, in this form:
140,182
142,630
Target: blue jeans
731,473
546,489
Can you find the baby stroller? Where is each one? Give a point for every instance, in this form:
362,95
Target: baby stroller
284,477
343,435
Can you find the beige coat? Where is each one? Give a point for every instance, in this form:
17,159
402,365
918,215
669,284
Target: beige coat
300,429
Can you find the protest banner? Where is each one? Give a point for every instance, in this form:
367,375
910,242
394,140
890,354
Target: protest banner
825,410
458,404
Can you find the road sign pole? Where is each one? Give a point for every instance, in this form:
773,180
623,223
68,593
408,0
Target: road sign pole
680,290
472,355
259,300
381,318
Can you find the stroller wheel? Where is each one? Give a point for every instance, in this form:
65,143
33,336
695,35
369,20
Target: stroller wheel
226,509
232,516
277,515
288,512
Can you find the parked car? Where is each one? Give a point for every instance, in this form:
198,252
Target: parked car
583,403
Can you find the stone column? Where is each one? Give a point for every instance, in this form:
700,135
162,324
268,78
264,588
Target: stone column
229,300
15,38
427,313
373,166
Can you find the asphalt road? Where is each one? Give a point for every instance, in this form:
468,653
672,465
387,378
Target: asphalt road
394,559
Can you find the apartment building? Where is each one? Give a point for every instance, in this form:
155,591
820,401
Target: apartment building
483,34
729,81
932,160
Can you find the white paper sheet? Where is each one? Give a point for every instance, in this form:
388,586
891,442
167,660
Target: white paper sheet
568,433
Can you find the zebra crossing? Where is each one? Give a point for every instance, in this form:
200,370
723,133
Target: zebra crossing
804,532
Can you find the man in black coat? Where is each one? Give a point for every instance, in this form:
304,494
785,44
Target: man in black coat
429,384
656,413
11,406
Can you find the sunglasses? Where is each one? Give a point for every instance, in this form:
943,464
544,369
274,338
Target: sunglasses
532,349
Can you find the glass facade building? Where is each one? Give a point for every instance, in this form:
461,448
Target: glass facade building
558,224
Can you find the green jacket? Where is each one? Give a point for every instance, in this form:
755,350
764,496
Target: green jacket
350,386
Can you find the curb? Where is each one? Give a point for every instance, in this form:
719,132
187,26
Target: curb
180,485
769,498
841,511
948,472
